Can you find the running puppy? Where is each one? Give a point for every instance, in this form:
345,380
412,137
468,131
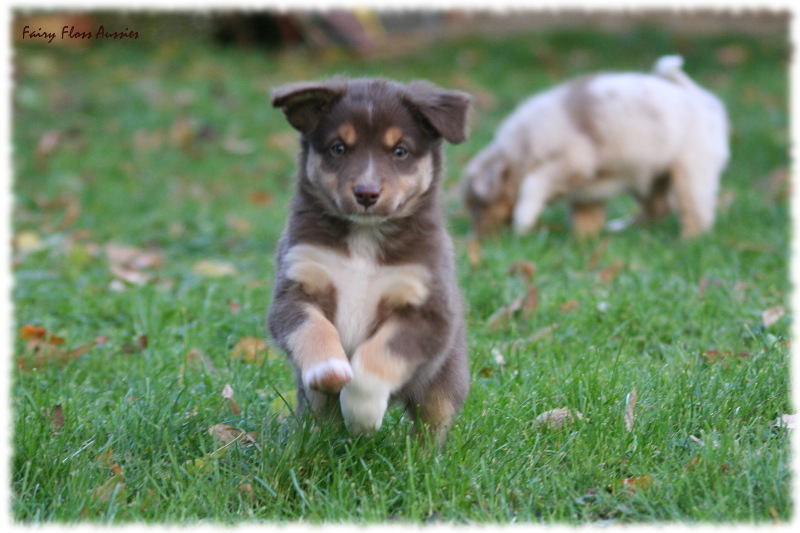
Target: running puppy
660,137
365,301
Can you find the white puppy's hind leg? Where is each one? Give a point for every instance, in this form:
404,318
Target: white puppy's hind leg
534,191
696,189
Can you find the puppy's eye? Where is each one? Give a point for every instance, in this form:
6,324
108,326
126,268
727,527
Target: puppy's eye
338,148
400,152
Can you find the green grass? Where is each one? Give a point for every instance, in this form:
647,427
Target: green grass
142,155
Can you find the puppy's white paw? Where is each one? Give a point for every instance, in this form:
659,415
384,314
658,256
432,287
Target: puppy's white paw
329,376
364,401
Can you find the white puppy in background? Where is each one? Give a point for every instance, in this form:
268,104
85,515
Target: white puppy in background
660,137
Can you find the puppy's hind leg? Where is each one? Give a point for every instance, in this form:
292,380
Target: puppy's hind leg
433,415
696,188
588,219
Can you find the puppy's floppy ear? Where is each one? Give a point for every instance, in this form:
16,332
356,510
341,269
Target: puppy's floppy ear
305,103
447,112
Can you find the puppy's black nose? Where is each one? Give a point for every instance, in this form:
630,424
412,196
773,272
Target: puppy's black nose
366,195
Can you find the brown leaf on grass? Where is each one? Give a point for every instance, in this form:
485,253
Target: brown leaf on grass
56,417
526,269
214,269
44,348
227,393
260,198
129,263
72,210
116,483
47,144
252,350
732,55
283,141
234,306
225,435
544,332
138,345
527,303
634,484
772,315
724,356
607,274
195,358
30,332
558,418
571,305
239,224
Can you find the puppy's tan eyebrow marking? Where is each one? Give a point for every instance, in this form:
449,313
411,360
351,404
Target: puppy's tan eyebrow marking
347,133
392,136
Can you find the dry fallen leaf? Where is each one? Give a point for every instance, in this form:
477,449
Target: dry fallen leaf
225,435
571,305
56,417
227,393
524,268
30,332
128,263
252,350
260,198
47,144
26,242
115,484
607,274
195,357
558,418
772,315
214,269
633,484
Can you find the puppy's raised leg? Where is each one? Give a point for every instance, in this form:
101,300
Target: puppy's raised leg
317,352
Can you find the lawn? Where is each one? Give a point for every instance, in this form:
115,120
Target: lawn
151,181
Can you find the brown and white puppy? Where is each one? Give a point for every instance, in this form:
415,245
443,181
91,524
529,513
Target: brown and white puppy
660,137
365,301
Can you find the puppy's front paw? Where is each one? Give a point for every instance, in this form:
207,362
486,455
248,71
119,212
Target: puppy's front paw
364,401
329,376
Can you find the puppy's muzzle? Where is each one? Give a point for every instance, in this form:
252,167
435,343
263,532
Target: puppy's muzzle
366,195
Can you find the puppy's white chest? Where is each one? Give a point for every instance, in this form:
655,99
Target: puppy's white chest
360,282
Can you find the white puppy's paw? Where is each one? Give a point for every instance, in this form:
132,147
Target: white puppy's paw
329,376
364,401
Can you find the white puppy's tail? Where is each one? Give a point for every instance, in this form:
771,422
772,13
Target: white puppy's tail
671,68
